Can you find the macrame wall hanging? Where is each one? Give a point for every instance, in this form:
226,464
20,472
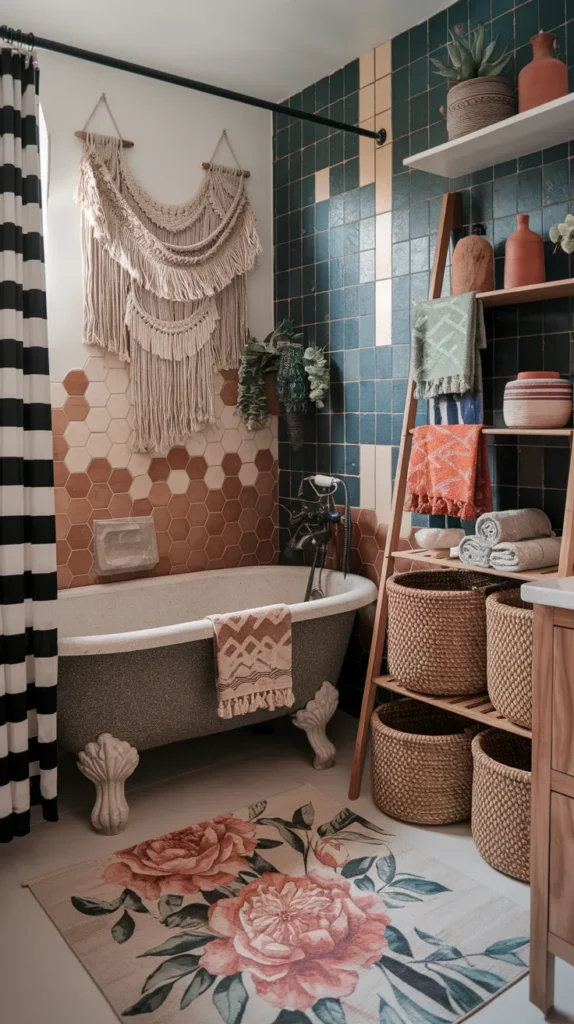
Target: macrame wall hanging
165,287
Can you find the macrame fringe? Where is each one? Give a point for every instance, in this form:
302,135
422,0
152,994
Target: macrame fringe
458,384
157,266
171,340
122,229
172,398
267,701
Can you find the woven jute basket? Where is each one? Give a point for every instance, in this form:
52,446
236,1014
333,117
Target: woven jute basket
478,102
501,801
437,630
509,655
421,764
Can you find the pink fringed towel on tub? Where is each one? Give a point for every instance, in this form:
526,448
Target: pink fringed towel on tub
253,660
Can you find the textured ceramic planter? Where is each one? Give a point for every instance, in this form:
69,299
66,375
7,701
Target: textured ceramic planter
537,402
545,78
477,103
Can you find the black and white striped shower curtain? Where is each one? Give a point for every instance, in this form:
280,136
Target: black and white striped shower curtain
28,639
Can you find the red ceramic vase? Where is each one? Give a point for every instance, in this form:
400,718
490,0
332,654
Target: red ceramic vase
545,78
524,256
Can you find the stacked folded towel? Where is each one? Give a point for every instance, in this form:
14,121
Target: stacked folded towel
472,552
516,541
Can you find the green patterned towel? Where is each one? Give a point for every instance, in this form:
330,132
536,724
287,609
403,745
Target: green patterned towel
447,336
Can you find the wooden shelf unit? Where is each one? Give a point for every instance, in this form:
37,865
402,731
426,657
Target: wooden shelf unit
544,126
426,558
478,706
450,219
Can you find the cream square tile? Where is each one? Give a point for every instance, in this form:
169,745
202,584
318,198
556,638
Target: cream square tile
322,185
367,68
383,481
406,524
367,154
383,245
367,478
384,178
383,312
384,120
366,102
383,94
383,59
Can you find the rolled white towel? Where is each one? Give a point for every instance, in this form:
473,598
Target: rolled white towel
515,524
473,552
526,554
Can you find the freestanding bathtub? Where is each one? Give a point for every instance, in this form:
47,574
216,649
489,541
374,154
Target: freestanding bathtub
137,667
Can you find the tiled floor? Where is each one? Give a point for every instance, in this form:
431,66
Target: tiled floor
40,979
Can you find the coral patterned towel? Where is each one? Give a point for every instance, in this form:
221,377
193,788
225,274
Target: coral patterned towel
448,472
253,660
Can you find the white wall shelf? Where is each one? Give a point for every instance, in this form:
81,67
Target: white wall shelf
544,126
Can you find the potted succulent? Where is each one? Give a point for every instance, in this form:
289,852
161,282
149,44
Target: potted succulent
478,94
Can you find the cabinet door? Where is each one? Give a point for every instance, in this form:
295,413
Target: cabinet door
561,918
563,702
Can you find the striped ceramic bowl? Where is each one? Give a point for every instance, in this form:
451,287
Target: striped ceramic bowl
541,401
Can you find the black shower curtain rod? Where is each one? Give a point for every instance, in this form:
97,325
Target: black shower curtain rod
16,36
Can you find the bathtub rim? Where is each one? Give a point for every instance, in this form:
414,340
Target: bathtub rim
362,592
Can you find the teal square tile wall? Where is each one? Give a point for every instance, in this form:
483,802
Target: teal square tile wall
324,253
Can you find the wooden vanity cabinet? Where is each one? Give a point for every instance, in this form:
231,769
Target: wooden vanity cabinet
552,843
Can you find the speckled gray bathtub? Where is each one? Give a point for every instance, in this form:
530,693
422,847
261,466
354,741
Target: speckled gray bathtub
136,658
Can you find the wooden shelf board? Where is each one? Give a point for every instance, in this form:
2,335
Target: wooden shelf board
543,127
529,293
530,431
477,707
455,563
527,431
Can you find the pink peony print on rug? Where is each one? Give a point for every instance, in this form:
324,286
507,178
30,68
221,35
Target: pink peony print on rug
293,912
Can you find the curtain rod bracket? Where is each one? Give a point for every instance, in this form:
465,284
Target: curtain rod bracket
381,137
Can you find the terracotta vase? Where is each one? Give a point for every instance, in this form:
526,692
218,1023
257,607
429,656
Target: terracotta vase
545,78
477,103
472,266
524,256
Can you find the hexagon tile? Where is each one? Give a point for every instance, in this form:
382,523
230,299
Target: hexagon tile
214,502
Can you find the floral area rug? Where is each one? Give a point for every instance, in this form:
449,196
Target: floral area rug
294,911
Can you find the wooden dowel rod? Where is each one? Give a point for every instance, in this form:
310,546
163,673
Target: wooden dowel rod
206,165
125,142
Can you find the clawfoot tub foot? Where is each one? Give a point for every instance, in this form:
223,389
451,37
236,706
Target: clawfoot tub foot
108,762
313,720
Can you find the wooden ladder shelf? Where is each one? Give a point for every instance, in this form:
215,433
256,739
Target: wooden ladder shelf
479,707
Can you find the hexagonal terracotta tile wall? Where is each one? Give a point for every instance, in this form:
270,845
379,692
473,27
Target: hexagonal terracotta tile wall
214,502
